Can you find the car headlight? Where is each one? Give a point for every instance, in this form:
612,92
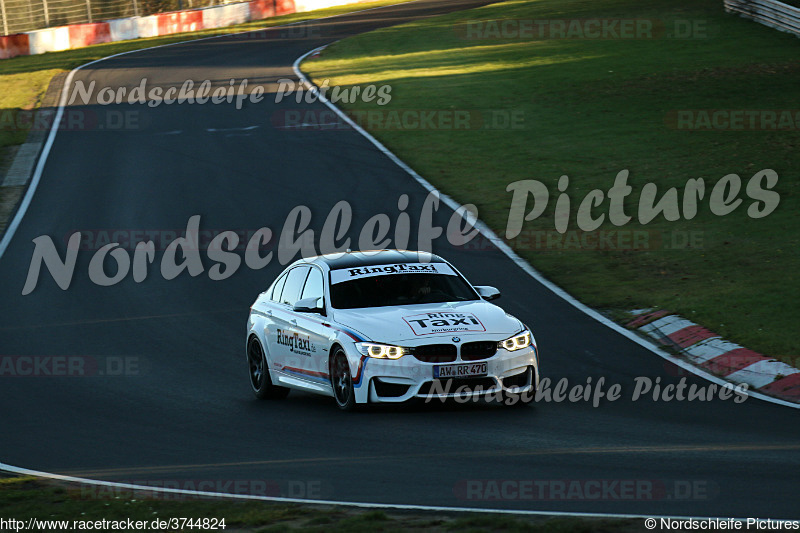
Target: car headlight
517,342
381,351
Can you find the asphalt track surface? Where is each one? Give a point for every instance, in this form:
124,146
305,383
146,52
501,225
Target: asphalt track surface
186,413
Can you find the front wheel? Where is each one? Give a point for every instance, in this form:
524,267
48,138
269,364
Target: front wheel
342,381
259,374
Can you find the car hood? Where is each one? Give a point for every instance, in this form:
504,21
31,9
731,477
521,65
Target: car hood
417,324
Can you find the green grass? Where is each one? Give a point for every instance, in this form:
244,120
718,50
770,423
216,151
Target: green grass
24,80
590,108
22,498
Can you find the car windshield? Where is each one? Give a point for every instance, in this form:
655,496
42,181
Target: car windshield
400,289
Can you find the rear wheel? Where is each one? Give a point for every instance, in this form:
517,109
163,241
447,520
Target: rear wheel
342,381
259,374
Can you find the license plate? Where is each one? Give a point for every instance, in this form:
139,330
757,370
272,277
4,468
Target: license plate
461,371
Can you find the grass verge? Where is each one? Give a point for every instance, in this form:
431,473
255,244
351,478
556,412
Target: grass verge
589,108
23,498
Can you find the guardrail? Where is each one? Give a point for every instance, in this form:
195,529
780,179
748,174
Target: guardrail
20,16
768,12
80,35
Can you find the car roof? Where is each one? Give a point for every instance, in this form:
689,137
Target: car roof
373,257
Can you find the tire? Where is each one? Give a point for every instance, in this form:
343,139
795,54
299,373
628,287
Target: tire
260,382
342,382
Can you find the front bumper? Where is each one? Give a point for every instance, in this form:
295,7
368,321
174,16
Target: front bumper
394,381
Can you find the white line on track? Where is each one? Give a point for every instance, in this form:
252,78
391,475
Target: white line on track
225,130
366,505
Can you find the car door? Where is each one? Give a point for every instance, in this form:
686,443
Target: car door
309,326
266,307
280,336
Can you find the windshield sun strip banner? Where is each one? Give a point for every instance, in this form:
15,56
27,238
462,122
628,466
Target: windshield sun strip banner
347,274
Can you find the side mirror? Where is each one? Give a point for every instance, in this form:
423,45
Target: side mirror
488,293
309,305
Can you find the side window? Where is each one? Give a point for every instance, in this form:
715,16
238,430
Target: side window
277,289
313,287
294,283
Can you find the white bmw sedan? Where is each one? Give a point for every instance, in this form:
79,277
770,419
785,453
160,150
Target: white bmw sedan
386,326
